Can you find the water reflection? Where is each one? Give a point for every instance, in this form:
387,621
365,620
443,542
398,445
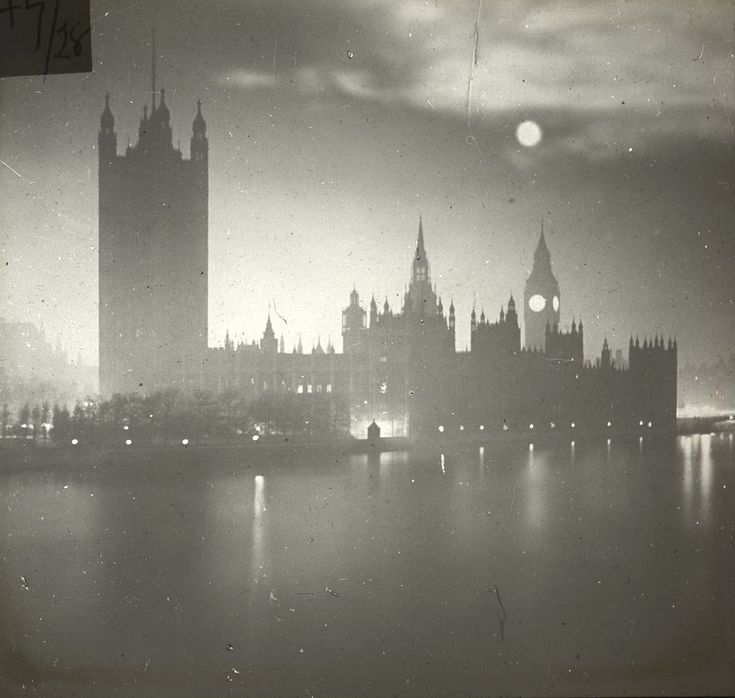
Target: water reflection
697,477
257,571
535,487
396,584
705,483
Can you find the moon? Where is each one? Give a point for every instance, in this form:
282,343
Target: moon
529,134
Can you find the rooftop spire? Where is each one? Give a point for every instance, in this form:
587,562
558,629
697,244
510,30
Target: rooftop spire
420,250
541,249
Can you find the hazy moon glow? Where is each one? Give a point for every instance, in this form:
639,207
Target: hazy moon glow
529,134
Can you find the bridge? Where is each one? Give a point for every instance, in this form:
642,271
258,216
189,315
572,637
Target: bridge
706,425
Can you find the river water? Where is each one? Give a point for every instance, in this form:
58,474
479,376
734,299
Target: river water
594,568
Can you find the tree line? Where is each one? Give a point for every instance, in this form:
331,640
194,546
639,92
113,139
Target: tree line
172,417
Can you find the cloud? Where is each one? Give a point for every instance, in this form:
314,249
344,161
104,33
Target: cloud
640,68
247,79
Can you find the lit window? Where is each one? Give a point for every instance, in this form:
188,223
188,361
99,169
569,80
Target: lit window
573,425
184,442
530,426
300,389
128,442
482,427
461,427
441,428
609,424
329,387
308,388
74,442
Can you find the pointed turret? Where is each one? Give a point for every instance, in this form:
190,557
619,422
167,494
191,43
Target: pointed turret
373,312
107,137
473,320
511,305
452,319
107,120
199,144
605,355
268,343
420,274
542,251
420,249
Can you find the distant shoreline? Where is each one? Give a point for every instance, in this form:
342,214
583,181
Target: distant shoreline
18,452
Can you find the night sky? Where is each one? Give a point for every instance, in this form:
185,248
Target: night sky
334,125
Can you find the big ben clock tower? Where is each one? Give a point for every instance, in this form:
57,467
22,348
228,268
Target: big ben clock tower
541,303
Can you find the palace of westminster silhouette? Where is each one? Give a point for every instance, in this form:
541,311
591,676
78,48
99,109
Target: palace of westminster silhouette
399,368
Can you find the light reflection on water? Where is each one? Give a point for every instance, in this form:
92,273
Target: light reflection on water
380,568
705,485
535,488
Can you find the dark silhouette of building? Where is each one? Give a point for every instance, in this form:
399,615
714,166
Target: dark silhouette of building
541,298
153,250
401,371
399,368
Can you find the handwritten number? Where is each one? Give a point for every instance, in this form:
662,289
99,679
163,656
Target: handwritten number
78,39
75,39
60,52
10,9
40,6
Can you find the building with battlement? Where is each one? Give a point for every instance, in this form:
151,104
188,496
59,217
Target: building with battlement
153,255
399,367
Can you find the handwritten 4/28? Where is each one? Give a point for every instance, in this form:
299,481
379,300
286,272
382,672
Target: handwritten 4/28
68,37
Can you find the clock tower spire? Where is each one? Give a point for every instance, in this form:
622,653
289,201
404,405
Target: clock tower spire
541,298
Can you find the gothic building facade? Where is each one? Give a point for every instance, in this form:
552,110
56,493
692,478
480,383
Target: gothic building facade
153,249
400,368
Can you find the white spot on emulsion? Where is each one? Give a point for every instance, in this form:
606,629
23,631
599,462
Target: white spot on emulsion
529,134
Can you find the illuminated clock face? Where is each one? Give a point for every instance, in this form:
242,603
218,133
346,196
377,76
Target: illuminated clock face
555,303
537,303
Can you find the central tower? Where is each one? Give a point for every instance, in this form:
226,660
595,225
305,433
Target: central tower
421,299
153,255
541,298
